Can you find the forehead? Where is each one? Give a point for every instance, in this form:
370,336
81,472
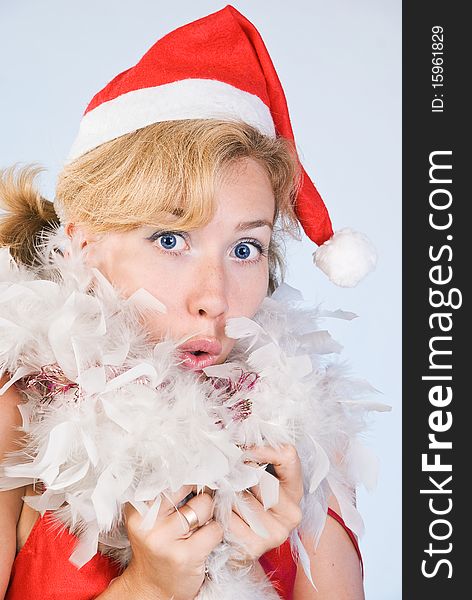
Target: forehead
245,188
243,171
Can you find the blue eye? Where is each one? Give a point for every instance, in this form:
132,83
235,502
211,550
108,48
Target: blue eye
247,250
169,240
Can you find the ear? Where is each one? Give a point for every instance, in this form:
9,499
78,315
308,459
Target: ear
79,233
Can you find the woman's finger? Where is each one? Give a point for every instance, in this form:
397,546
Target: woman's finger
250,542
257,493
177,525
171,500
286,464
253,544
205,539
286,511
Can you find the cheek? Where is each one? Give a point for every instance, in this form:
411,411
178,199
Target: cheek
129,271
159,325
132,272
248,289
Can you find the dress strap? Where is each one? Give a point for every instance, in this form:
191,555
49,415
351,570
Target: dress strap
332,513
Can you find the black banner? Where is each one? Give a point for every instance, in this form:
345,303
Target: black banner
436,402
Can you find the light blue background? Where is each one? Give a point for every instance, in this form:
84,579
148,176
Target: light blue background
339,62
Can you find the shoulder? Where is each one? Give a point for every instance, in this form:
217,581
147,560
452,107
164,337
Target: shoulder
11,500
335,565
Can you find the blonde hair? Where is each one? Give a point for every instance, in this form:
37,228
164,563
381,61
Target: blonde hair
163,175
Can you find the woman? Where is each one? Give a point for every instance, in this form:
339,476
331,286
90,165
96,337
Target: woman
189,210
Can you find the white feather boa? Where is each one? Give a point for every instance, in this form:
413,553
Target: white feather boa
111,418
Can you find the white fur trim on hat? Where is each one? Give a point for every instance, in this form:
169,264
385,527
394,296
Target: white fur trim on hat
346,258
185,99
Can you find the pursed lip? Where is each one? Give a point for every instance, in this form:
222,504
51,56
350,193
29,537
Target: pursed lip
208,348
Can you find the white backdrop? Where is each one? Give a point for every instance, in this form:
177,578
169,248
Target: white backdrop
339,63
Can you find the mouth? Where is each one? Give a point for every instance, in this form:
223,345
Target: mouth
200,353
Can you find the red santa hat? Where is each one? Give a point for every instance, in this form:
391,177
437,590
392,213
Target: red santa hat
218,67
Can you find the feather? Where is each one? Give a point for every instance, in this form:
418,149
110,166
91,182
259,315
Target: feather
144,300
338,314
367,405
242,327
92,380
45,501
322,466
269,488
86,547
300,365
141,370
53,456
222,371
90,447
250,517
263,359
81,509
9,483
303,558
286,293
107,493
320,342
344,496
150,516
18,374
112,418
70,476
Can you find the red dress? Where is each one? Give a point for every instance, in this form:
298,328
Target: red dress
42,570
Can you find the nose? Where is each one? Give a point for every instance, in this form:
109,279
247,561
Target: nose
208,296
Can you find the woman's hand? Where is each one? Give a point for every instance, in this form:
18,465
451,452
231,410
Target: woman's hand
168,561
281,518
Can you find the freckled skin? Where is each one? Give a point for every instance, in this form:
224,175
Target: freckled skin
204,277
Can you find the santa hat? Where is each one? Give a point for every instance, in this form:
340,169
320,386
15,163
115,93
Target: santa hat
218,67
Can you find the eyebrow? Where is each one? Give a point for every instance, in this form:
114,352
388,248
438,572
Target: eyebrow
254,224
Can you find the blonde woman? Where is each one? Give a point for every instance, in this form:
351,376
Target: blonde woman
180,186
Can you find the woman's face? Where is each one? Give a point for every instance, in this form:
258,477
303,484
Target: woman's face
203,276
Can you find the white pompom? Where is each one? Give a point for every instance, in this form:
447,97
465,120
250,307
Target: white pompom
346,258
